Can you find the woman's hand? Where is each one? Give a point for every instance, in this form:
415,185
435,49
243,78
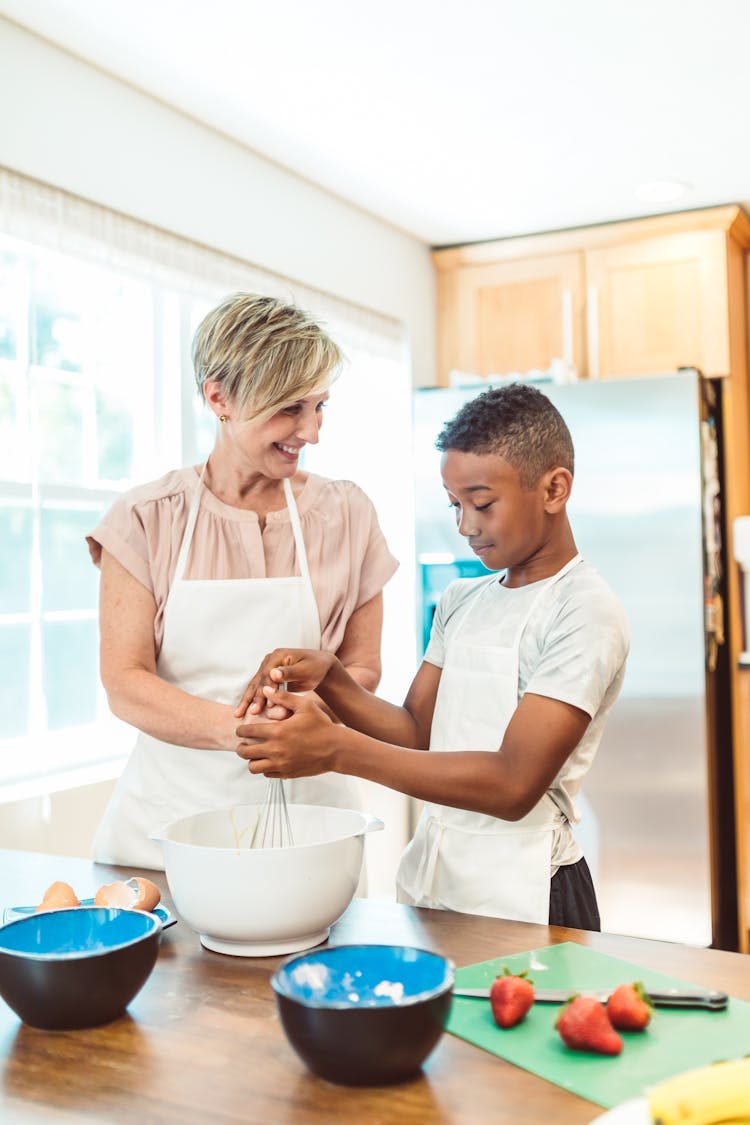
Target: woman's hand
298,669
272,711
301,746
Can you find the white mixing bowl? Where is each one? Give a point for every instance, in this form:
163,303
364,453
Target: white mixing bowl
260,902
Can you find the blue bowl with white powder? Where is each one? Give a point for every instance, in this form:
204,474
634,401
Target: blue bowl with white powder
364,1015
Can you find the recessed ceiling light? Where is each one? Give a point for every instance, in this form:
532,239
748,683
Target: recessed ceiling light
660,191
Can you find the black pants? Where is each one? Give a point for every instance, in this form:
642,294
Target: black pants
572,898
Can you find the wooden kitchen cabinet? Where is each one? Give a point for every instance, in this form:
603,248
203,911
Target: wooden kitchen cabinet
656,304
618,300
501,317
622,299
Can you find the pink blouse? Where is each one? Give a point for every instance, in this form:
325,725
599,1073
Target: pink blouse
347,553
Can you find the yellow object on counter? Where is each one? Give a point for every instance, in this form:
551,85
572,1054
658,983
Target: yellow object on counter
708,1096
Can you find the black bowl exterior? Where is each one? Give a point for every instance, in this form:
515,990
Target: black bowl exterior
66,994
365,1046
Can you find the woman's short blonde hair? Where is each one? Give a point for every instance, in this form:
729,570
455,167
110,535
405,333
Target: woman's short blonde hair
265,354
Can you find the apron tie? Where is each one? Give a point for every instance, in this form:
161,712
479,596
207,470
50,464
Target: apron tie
425,879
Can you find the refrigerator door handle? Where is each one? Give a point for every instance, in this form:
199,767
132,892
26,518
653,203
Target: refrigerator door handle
592,322
567,329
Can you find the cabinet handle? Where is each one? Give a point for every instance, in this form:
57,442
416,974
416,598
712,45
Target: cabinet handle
567,330
592,322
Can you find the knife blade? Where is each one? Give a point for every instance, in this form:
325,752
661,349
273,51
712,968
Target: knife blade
706,998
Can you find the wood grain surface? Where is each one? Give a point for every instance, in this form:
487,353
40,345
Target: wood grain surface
202,1043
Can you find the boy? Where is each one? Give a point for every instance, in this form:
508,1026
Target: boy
520,673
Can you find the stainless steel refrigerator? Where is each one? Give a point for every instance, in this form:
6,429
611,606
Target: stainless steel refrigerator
658,827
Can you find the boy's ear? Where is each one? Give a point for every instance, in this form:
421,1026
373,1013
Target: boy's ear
557,490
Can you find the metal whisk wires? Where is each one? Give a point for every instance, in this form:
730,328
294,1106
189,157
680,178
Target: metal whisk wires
273,828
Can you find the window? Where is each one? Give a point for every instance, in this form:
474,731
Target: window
80,420
96,394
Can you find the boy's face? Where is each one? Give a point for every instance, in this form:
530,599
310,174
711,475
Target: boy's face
505,525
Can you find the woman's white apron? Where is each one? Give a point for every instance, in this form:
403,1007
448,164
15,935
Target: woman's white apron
468,861
216,632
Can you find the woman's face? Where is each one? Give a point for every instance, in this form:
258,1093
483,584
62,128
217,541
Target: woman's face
273,446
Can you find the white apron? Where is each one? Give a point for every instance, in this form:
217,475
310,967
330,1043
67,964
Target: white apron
216,632
468,861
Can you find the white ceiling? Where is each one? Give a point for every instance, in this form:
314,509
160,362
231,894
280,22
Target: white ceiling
454,120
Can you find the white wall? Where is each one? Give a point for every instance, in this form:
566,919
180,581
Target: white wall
67,124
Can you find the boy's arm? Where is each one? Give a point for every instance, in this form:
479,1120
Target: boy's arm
506,783
303,670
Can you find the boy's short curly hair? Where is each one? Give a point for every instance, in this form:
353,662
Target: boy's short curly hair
516,422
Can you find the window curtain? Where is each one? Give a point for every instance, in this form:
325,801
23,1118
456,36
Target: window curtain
38,213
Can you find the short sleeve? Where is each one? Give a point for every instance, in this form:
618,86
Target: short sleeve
452,598
378,564
348,555
143,530
584,651
122,534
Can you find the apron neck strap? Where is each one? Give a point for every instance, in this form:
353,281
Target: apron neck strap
190,528
296,530
548,584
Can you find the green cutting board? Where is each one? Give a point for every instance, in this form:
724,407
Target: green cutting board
674,1040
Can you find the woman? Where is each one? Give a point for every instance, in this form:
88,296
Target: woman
209,568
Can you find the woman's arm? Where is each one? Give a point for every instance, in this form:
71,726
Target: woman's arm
359,651
136,694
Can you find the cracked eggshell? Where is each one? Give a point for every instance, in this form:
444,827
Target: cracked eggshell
147,894
115,894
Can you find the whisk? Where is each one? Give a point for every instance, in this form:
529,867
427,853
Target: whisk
273,828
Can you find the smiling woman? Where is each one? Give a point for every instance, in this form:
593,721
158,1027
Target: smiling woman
209,567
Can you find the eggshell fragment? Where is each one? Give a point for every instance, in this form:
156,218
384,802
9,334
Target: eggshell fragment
58,896
147,894
115,894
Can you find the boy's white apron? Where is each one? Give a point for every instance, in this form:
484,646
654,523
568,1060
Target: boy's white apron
467,861
216,633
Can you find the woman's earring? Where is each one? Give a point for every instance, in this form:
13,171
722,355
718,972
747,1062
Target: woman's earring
223,418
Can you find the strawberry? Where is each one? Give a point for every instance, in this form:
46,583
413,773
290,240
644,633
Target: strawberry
511,997
629,1008
584,1025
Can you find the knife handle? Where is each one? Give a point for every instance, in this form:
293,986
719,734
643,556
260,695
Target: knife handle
709,998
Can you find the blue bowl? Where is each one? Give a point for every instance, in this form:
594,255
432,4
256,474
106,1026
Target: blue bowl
65,969
364,1014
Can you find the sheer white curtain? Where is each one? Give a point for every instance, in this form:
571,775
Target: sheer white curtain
40,214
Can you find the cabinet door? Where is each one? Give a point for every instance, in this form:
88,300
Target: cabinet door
658,304
513,316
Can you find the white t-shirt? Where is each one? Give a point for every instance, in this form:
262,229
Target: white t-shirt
573,649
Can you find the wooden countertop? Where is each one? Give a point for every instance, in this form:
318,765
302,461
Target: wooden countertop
202,1043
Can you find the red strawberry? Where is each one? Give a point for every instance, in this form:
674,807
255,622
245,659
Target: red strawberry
629,1008
511,997
584,1025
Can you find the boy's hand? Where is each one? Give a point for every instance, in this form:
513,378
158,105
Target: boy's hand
299,747
298,669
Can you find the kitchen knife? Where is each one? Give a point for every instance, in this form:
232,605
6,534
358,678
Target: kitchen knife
706,998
